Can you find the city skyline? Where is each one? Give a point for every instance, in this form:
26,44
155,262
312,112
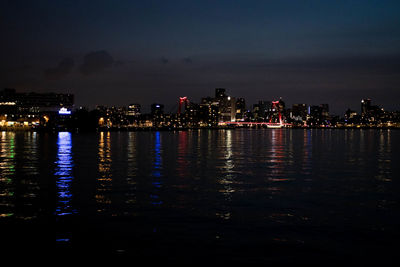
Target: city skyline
115,54
226,132
19,110
182,100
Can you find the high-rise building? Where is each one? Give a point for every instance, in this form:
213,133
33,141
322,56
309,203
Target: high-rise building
324,111
226,106
208,111
36,102
157,114
316,112
299,111
192,114
240,108
264,109
133,110
220,93
319,114
281,105
365,106
157,109
350,114
226,109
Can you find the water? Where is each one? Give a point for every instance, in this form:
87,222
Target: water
214,196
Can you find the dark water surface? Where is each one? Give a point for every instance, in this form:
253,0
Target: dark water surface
217,196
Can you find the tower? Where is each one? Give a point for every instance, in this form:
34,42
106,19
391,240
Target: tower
219,93
182,100
365,106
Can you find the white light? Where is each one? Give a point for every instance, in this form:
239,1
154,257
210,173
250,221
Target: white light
64,111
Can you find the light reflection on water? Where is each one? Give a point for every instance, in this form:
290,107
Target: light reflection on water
64,174
307,152
183,155
7,174
105,179
277,157
233,187
19,186
156,173
227,177
132,169
384,157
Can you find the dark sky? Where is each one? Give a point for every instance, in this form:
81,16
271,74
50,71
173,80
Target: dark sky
121,52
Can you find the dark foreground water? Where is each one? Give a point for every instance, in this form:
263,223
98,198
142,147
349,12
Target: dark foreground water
210,196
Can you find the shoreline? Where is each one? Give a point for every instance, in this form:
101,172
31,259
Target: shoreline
152,129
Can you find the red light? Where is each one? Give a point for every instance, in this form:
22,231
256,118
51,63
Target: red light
182,99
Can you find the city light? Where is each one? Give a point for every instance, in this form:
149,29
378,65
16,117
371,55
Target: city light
18,110
7,103
64,111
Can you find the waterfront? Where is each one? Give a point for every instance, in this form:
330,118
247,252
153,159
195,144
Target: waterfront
243,196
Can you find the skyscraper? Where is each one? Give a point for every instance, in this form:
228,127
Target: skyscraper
299,111
240,108
133,110
157,114
365,106
324,111
220,93
157,109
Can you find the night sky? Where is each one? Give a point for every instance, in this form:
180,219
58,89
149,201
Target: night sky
121,52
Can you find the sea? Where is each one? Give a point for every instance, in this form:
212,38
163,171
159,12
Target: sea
208,196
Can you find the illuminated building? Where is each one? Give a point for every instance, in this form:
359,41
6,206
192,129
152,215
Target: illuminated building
276,116
64,111
182,100
365,106
369,113
226,105
133,110
54,111
227,109
192,115
37,102
319,115
208,112
157,109
112,116
262,111
281,105
315,113
350,114
240,109
324,111
32,109
220,93
157,113
299,112
133,115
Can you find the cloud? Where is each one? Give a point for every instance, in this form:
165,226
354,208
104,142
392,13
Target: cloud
25,76
164,60
95,62
62,69
122,63
188,60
